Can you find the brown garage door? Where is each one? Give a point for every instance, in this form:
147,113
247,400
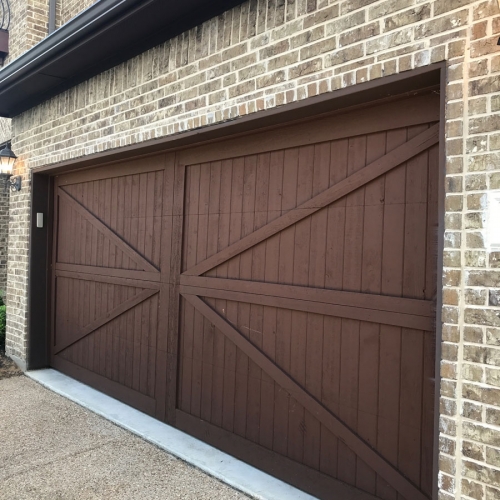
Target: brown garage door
272,294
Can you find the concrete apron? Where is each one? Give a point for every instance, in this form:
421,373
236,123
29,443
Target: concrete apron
214,462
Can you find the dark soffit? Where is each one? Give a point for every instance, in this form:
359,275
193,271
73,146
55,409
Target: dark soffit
108,33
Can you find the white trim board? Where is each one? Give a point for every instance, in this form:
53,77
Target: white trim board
214,462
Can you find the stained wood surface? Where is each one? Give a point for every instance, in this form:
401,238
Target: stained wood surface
318,484
320,274
107,277
334,424
279,289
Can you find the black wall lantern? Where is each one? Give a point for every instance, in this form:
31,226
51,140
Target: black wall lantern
7,160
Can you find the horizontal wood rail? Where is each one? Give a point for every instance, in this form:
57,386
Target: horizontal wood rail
115,170
140,279
378,118
317,307
334,297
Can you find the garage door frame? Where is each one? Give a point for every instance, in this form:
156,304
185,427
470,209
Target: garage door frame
42,191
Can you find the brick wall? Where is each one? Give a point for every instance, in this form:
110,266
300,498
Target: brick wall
28,26
4,237
5,136
5,130
68,9
264,54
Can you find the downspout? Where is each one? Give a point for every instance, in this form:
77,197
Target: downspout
52,16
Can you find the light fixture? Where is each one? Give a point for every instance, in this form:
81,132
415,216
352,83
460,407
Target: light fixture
7,160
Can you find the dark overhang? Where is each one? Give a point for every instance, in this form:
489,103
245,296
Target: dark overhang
106,34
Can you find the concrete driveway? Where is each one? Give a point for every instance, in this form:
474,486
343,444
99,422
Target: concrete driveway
51,448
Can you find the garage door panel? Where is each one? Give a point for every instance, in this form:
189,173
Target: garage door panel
298,431
111,301
300,254
351,186
131,207
86,308
356,248
107,274
358,340
276,297
124,348
102,248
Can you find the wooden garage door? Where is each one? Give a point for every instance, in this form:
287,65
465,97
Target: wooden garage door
272,294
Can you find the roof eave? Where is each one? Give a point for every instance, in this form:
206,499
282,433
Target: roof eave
104,35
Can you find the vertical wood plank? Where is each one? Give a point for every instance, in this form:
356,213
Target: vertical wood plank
320,178
114,330
129,355
115,334
230,354
141,216
269,390
209,332
122,321
163,212
189,259
144,341
153,327
256,330
410,409
134,216
369,332
390,336
429,384
297,422
78,295
174,298
244,388
102,332
353,248
336,220
220,205
92,243
89,314
127,218
137,347
236,213
284,404
330,392
157,219
202,328
414,282
149,215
